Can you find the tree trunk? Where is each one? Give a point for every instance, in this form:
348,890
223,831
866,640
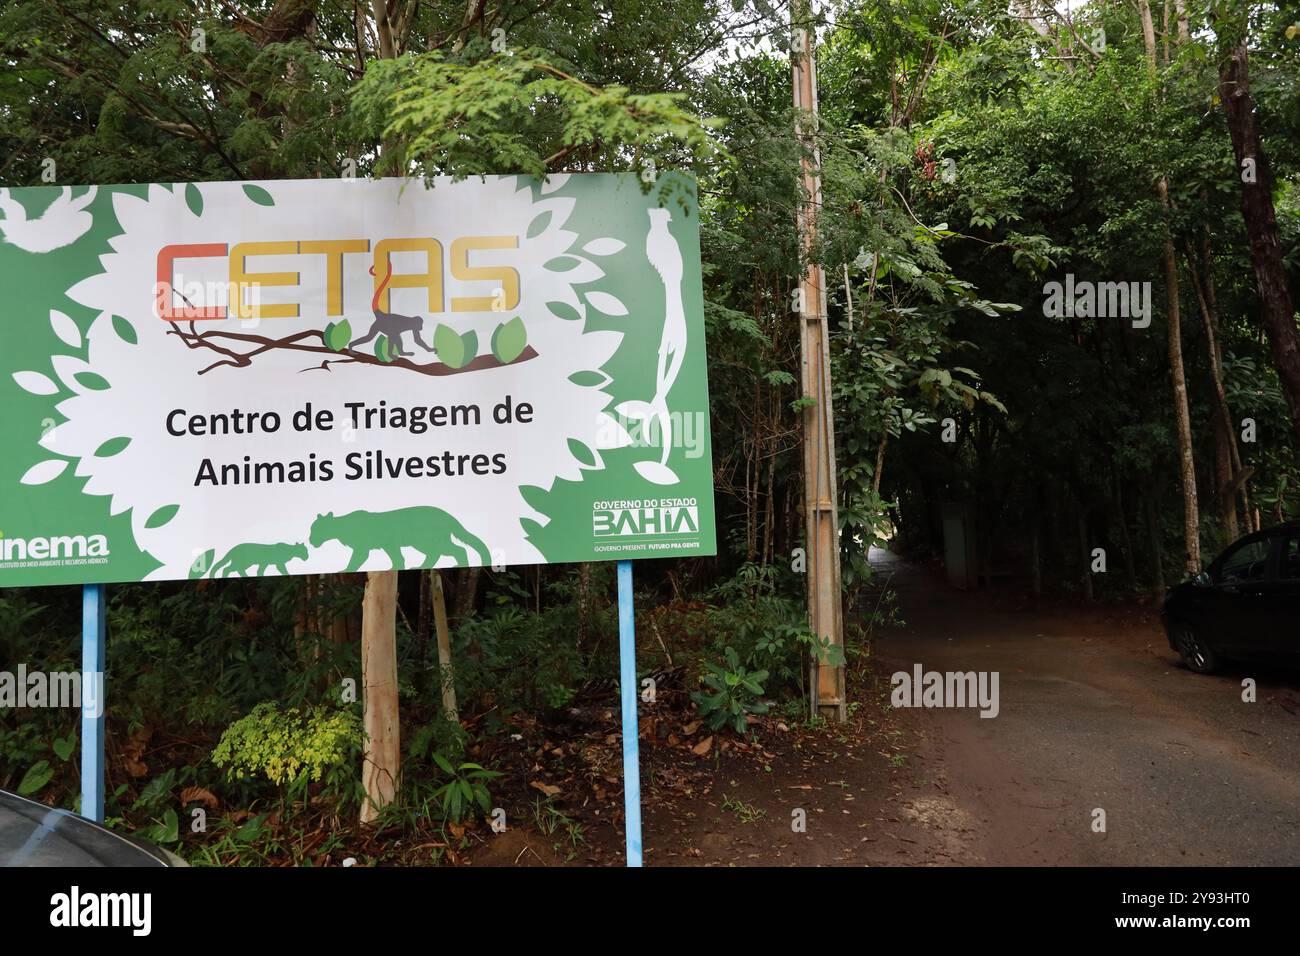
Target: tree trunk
1191,515
1191,512
1157,546
467,592
381,765
1278,313
1225,444
1130,566
446,675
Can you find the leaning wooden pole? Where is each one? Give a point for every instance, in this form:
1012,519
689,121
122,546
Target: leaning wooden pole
381,766
825,617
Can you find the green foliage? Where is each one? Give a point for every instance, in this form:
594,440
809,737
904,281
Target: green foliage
35,779
519,112
464,789
522,658
289,746
733,694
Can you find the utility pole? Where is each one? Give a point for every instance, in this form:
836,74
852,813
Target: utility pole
381,717
825,616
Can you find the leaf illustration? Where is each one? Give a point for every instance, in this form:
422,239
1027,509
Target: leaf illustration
449,346
634,409
162,516
660,474
383,351
91,380
194,199
125,330
43,472
509,340
258,195
112,447
338,335
603,247
455,351
606,303
65,329
562,264
562,310
589,379
586,457
534,497
538,225
35,382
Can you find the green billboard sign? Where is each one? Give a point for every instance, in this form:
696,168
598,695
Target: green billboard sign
308,376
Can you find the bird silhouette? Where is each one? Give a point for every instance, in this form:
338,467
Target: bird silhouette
63,223
666,257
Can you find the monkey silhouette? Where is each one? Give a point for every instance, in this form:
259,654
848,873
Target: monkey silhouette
391,325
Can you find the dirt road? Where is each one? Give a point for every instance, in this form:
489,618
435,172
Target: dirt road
1095,713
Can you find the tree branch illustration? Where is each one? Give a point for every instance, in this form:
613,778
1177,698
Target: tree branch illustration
213,340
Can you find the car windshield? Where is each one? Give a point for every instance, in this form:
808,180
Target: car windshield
1289,562
1246,562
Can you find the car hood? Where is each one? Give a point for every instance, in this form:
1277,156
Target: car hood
32,834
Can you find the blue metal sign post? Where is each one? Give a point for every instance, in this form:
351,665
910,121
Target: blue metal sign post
93,634
628,695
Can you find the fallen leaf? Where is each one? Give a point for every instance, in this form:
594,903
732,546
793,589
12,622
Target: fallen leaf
199,795
703,747
690,728
545,788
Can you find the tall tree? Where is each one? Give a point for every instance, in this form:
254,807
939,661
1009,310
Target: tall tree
1182,414
1277,312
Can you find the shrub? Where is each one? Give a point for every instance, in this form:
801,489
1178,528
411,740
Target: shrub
293,747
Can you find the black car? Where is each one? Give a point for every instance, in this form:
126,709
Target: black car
32,834
1245,606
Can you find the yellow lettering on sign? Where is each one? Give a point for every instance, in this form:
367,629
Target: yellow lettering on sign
430,279
333,250
507,278
241,278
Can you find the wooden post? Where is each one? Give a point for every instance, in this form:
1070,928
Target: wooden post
381,766
820,510
446,675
